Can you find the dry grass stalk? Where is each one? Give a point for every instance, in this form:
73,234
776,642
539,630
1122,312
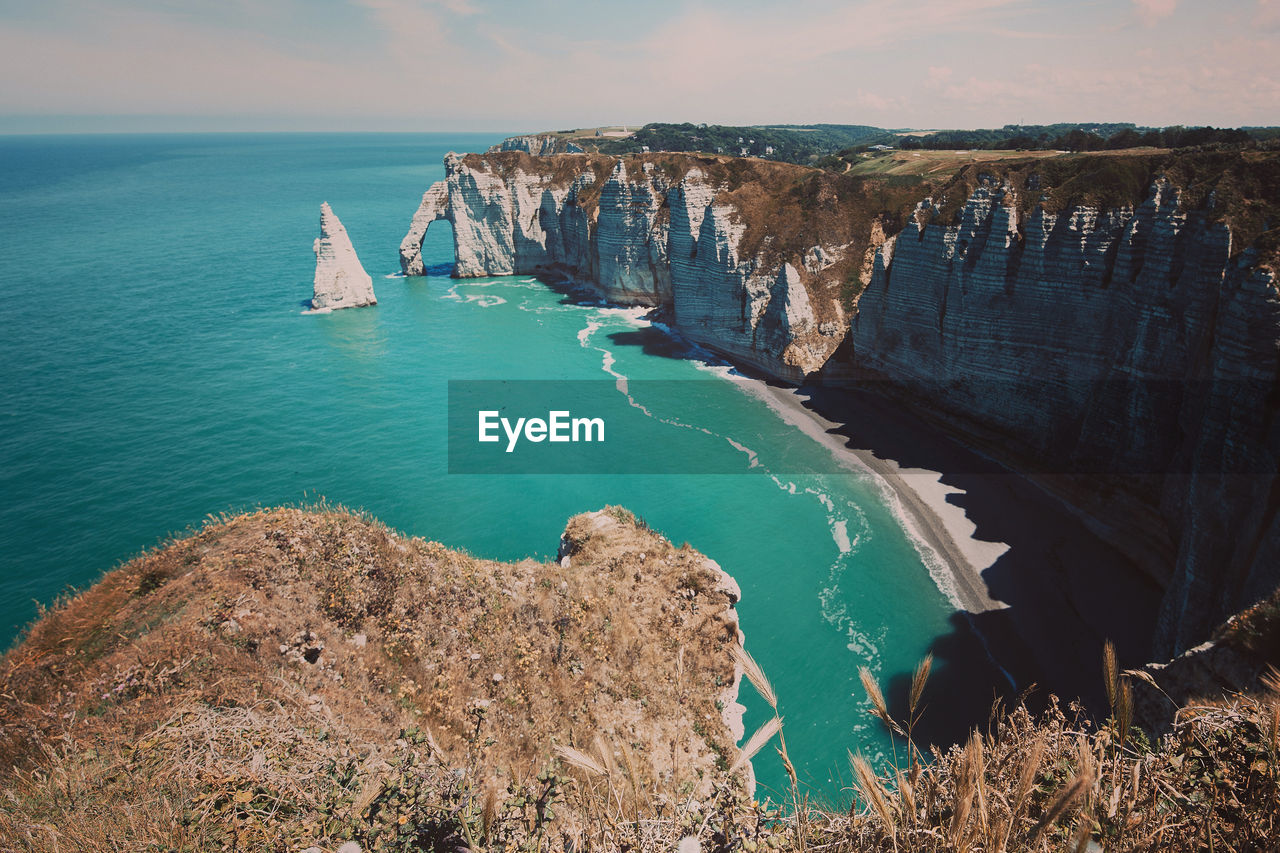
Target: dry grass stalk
878,705
978,767
1027,773
1073,790
869,786
578,758
1110,674
966,788
1271,679
755,675
1124,710
606,755
873,692
907,794
756,743
919,680
489,812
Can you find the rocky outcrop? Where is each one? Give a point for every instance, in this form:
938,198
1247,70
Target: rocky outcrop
332,641
539,145
1232,662
340,280
434,207
642,232
1126,355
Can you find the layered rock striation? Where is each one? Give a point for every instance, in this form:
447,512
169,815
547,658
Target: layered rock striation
680,232
340,280
537,144
1120,345
1126,355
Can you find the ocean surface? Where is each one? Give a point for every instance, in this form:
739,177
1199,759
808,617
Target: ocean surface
157,366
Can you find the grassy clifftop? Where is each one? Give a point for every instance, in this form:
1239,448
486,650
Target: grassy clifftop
290,678
299,680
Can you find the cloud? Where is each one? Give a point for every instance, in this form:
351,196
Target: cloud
1152,11
1224,82
135,63
411,28
924,63
1268,15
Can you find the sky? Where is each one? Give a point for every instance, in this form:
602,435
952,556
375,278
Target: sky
526,65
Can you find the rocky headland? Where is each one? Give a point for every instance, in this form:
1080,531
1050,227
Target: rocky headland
340,280
752,258
290,678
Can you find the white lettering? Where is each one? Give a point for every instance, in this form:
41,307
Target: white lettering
559,426
488,421
513,435
587,424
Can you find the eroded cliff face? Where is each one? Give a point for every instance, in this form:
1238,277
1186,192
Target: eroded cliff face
1121,347
340,281
680,232
1127,355
538,144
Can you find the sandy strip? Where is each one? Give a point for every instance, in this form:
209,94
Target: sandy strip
930,519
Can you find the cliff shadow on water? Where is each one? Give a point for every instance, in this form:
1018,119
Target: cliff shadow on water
1066,590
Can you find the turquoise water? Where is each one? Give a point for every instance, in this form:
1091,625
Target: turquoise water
156,367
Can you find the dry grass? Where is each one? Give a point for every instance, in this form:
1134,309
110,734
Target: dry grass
926,163
1057,782
291,678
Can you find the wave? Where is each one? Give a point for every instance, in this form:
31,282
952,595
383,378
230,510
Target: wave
846,522
484,300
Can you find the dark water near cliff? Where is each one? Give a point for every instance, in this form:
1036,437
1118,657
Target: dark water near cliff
156,367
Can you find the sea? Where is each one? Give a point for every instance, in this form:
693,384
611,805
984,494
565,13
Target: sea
157,367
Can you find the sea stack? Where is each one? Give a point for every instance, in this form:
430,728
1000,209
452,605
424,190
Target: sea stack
341,281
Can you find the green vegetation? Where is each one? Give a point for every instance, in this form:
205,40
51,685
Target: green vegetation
839,146
785,143
1085,137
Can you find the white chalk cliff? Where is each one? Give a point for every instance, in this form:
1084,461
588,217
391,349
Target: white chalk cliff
638,235
1135,343
340,280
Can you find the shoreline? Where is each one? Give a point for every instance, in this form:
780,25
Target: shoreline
919,497
1024,591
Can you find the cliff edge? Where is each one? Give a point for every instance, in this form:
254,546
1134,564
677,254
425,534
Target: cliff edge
1111,326
293,678
1107,323
754,259
310,681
